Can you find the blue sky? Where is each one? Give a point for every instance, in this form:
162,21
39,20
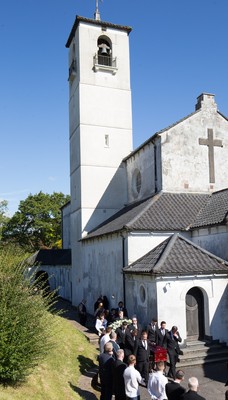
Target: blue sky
178,50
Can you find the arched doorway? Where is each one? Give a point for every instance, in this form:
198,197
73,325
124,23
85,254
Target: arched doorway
42,282
195,314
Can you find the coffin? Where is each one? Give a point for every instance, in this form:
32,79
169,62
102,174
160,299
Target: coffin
158,353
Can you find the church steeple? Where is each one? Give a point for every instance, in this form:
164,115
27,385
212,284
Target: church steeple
100,124
100,118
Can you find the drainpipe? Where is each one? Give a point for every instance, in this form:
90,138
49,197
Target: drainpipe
123,264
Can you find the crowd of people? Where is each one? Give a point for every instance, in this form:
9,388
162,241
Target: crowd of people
132,355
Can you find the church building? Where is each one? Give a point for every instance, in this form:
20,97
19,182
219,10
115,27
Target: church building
149,225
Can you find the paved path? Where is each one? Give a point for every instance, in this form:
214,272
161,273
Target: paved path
212,377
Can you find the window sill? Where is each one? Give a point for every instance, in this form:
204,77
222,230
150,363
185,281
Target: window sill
107,68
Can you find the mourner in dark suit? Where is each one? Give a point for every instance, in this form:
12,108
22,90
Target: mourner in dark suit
173,338
130,343
173,389
192,394
161,335
117,374
142,353
135,326
106,361
121,334
152,331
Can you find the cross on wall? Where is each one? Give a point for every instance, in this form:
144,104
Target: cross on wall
211,143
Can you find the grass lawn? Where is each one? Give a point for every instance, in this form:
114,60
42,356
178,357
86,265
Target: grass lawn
57,376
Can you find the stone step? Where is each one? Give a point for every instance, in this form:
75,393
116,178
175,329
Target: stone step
201,361
204,355
201,343
202,352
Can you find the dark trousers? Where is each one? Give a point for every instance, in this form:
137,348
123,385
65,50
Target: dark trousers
172,361
143,368
106,392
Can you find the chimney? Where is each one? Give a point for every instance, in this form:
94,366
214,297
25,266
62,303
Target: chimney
205,99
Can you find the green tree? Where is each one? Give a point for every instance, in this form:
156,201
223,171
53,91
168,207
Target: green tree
37,223
3,217
27,326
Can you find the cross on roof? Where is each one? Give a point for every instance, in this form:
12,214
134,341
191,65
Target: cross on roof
211,143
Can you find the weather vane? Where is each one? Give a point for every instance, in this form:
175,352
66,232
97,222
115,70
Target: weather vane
97,13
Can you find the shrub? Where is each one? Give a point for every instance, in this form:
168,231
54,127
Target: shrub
26,325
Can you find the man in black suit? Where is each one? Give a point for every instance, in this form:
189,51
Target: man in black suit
121,334
117,374
192,394
174,389
106,361
161,335
173,338
142,353
131,339
152,331
135,326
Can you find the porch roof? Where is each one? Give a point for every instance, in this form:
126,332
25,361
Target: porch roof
178,256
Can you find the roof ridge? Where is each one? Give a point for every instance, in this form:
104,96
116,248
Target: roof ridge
166,251
181,237
170,245
219,191
200,211
222,115
211,197
152,199
159,133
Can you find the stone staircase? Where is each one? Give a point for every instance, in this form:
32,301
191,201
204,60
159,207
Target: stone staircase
202,352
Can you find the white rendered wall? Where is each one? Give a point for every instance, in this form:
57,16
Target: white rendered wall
102,264
185,165
100,137
100,106
140,243
144,162
214,239
66,210
173,292
165,299
60,279
147,309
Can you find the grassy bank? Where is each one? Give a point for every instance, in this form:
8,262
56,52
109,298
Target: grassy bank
57,377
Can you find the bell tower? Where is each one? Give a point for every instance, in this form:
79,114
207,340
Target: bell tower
100,119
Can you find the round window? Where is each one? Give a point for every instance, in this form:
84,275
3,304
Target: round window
142,293
136,182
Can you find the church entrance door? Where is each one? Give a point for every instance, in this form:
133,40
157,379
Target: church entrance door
195,314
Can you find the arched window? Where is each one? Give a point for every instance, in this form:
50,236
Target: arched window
104,51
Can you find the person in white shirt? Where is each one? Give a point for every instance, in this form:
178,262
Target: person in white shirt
157,382
101,324
105,338
132,378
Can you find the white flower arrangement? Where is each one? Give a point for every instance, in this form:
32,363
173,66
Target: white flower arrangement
119,323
